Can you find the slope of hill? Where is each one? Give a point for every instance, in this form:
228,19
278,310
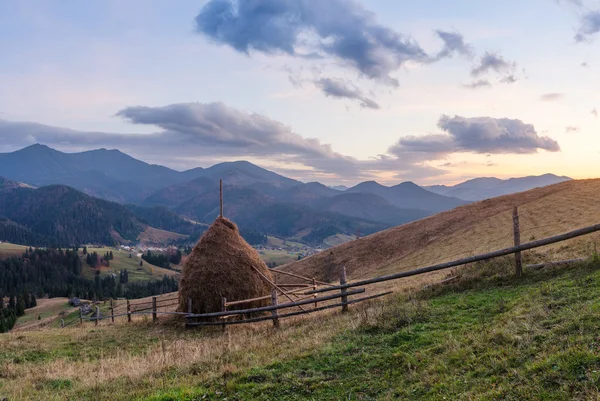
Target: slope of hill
65,216
175,195
408,195
304,223
370,207
489,187
472,229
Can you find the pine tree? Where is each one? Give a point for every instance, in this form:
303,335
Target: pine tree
20,308
11,302
85,250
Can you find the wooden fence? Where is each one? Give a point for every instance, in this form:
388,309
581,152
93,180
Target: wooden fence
311,296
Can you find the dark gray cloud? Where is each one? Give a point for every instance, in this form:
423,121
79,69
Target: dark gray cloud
550,97
480,83
509,79
492,62
342,29
189,132
589,26
477,135
342,89
454,43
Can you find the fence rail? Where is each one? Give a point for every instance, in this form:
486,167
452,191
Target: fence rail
307,293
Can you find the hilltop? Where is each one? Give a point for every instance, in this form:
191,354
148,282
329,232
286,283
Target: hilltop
467,230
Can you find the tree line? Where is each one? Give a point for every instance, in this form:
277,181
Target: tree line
58,273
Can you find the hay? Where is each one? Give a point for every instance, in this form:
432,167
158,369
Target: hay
221,265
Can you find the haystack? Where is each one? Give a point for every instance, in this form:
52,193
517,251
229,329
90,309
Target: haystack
222,264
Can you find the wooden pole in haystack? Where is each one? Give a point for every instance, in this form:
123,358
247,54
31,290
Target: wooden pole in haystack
275,286
517,237
221,198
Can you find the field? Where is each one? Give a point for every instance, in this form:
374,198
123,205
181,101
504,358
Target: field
49,312
469,230
122,261
486,336
278,257
7,250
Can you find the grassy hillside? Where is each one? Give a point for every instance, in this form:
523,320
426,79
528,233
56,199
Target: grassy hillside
485,336
468,230
122,261
7,250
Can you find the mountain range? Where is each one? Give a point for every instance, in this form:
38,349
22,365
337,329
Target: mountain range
143,195
490,187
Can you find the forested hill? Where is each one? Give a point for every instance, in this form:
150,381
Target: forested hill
61,216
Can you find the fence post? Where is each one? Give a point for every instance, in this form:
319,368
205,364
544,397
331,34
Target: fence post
153,309
517,237
343,290
223,309
97,315
274,311
314,288
190,305
128,311
62,323
80,316
112,311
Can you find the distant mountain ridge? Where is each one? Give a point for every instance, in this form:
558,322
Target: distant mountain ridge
409,195
490,187
177,201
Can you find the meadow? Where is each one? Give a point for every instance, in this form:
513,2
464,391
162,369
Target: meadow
485,336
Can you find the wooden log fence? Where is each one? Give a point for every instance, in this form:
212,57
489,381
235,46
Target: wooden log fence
310,293
471,259
290,314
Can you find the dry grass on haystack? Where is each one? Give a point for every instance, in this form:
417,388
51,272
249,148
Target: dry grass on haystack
222,264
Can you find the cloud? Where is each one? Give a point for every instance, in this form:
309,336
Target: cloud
572,128
477,135
585,64
480,83
492,62
341,89
594,112
589,26
187,133
576,3
341,29
550,97
454,43
509,79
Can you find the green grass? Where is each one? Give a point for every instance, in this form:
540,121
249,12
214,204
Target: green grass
533,339
487,336
122,261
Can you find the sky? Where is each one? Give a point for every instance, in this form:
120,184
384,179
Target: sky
336,91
